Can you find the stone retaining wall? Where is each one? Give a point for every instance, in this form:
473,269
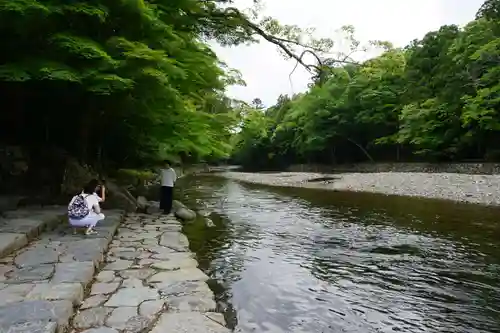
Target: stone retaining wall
465,168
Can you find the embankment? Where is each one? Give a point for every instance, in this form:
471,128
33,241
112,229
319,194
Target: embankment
480,189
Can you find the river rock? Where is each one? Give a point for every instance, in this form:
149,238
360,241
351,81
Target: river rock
185,214
142,204
182,212
209,223
153,207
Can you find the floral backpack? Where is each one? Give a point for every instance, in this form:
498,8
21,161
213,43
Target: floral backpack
78,208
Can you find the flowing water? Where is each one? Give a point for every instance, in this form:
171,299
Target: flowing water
298,260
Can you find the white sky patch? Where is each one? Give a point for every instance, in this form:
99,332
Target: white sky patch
266,72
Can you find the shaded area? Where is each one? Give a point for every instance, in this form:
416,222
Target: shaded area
323,179
299,260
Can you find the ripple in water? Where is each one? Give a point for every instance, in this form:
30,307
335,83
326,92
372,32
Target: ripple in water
281,263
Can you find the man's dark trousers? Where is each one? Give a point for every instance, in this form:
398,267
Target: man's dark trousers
166,197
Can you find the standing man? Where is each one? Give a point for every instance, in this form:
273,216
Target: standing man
168,178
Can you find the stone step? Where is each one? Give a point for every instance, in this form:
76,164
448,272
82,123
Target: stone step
19,227
41,283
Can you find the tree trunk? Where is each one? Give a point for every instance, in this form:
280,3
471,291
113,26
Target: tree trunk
362,149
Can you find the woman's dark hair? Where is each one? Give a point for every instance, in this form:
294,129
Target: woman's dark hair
91,186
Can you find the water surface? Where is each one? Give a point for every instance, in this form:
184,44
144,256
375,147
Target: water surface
300,260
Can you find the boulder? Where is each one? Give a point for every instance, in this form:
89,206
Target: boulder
142,202
153,207
185,214
182,212
118,197
209,223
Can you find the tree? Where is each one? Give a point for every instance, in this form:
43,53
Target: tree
436,99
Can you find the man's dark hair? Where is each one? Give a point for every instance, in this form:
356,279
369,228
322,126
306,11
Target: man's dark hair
91,186
167,162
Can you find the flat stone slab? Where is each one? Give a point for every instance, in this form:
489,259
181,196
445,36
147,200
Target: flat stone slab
187,274
100,330
30,274
29,226
80,272
39,326
151,308
201,302
105,276
10,242
188,322
140,274
14,293
132,297
93,317
72,292
176,261
94,301
175,240
182,288
15,314
127,319
104,288
37,255
118,265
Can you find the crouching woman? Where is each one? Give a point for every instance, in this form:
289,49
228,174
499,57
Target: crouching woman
84,209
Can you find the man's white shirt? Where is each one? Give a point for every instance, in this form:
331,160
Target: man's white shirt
168,177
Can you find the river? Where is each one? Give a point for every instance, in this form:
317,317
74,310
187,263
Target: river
301,260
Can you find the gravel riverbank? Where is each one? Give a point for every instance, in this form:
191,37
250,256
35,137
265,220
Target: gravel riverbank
481,189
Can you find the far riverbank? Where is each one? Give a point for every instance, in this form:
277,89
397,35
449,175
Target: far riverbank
479,189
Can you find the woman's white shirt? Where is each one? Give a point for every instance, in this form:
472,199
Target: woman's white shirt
93,202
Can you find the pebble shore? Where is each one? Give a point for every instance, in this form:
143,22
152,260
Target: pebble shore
480,189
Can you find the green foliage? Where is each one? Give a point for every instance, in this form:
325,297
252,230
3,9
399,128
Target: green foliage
438,98
126,83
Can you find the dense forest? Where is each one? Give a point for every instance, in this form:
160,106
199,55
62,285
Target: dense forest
125,83
438,99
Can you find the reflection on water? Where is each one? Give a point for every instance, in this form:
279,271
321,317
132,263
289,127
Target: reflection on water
296,260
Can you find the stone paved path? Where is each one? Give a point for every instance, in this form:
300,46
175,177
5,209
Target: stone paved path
42,282
149,283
